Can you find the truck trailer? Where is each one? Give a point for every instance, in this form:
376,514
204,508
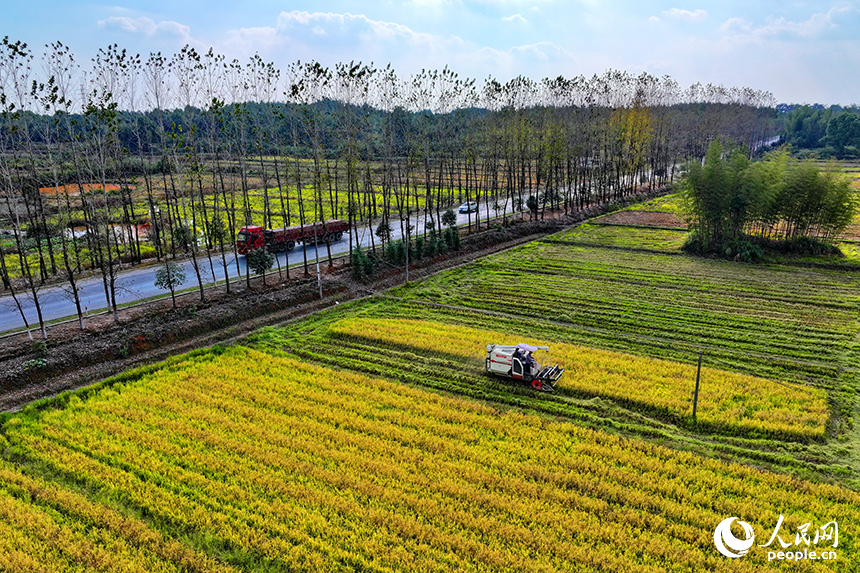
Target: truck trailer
283,240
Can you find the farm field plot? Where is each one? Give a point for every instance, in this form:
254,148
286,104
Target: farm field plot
851,250
634,218
629,228
46,527
852,170
792,325
732,400
782,322
665,204
628,395
666,211
664,240
243,460
331,203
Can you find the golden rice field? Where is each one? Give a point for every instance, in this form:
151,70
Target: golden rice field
241,460
47,527
726,399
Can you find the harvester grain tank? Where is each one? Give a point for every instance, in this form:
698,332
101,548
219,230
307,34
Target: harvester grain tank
517,362
282,240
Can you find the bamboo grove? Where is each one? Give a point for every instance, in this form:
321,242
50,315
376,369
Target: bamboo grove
140,157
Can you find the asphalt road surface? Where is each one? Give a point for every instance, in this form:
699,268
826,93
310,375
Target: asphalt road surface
138,283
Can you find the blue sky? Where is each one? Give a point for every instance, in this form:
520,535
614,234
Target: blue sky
802,52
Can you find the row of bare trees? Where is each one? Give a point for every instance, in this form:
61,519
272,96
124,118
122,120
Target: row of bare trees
161,157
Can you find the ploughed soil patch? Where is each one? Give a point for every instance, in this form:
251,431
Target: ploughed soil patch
644,219
852,233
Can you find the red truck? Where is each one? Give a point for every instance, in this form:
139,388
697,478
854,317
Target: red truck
280,240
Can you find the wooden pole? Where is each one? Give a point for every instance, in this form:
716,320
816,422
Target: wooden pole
408,223
696,395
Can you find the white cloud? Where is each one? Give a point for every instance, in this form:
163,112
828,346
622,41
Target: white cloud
543,59
247,41
738,24
795,57
432,4
544,52
345,28
330,38
694,16
147,27
515,18
817,25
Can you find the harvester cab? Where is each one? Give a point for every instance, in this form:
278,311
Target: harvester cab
518,362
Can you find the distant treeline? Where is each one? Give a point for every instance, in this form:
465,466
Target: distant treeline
382,131
832,132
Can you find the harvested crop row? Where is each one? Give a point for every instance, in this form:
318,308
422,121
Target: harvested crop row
826,288
603,291
739,314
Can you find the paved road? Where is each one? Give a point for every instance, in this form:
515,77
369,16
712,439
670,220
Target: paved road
137,283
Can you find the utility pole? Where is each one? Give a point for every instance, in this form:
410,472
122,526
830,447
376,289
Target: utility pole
696,395
408,224
317,252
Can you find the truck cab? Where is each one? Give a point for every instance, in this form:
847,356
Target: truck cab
249,238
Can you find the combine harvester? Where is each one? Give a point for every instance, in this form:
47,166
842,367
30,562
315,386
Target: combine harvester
517,362
282,240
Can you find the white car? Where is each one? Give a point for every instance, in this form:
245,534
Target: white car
469,207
